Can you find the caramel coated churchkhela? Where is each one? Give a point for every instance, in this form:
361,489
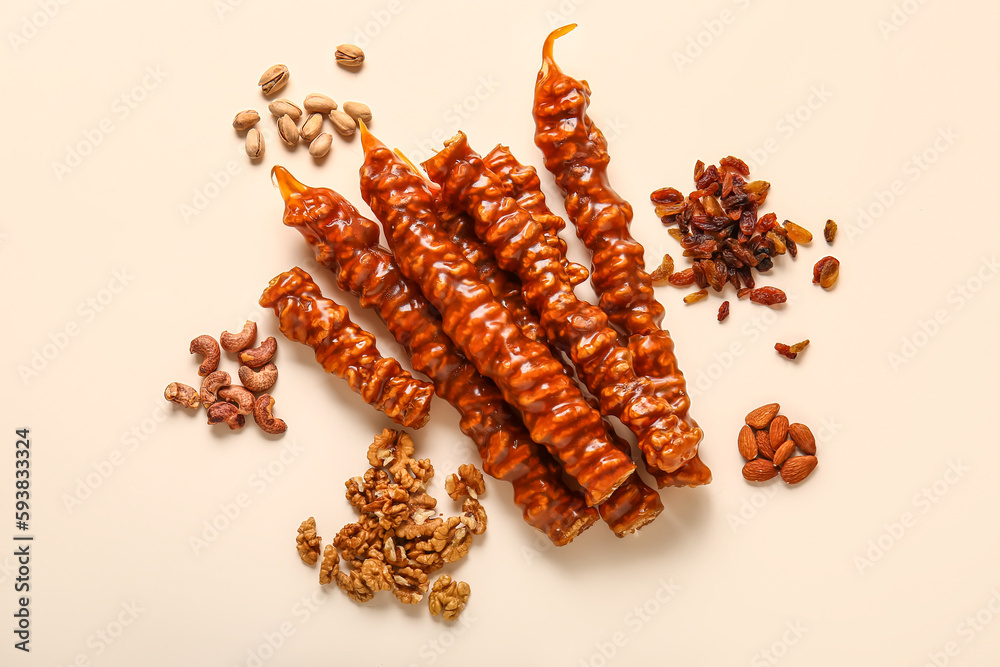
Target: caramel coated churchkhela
530,379
346,350
348,244
505,286
524,186
576,154
577,327
634,503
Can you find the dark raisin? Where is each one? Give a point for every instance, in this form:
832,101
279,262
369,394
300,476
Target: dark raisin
724,310
793,248
830,231
699,276
710,175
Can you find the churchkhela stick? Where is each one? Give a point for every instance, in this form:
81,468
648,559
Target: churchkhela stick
576,153
347,243
344,349
633,504
652,355
577,327
524,370
505,286
526,188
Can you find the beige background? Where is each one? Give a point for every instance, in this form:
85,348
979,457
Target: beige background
161,230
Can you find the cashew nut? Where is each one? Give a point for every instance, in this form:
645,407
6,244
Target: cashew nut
260,379
242,340
206,346
238,396
262,415
260,355
211,384
227,413
182,394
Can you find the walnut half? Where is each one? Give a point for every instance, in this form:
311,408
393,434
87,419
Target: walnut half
448,597
307,542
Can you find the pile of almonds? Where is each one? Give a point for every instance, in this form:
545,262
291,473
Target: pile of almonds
317,106
229,403
767,442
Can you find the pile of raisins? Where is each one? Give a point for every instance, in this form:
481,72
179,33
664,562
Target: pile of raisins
718,228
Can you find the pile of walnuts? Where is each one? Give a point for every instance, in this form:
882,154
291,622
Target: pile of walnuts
399,539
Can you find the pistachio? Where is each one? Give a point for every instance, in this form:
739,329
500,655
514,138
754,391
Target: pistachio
349,55
284,107
320,145
287,130
312,127
343,123
255,144
272,80
358,111
244,120
317,103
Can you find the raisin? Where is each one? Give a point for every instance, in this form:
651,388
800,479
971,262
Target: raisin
699,275
830,266
777,242
748,220
743,292
785,351
830,231
724,310
667,196
735,164
767,223
695,297
757,191
797,233
708,176
798,347
662,273
768,296
682,278
792,247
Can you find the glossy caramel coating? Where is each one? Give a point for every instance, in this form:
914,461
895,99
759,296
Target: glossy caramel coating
347,243
526,188
633,504
505,286
344,349
576,326
526,373
576,153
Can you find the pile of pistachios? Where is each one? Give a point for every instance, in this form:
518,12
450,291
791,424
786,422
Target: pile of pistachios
317,107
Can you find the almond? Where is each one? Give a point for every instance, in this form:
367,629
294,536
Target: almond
759,470
797,468
782,453
747,443
762,416
779,429
803,437
764,447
